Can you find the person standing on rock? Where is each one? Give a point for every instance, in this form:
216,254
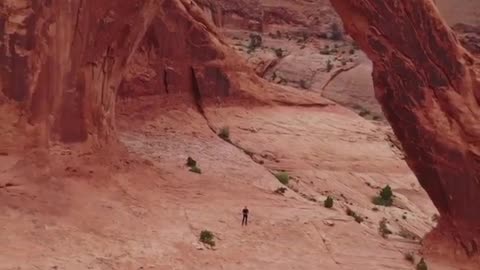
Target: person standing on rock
245,216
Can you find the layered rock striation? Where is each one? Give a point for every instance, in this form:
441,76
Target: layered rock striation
430,93
62,64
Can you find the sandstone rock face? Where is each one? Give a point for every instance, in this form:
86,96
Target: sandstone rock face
271,15
62,63
429,91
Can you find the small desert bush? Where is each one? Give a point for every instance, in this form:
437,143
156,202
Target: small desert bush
328,203
353,214
255,42
224,133
283,177
409,257
281,190
279,52
196,169
422,265
207,237
191,162
336,32
385,197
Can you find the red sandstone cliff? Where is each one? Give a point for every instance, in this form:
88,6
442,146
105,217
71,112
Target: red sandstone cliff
63,61
429,91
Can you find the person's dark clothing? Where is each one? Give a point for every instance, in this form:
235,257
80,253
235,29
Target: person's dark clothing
245,217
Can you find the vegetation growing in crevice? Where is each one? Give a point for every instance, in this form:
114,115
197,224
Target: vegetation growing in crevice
224,133
283,177
422,265
385,197
409,257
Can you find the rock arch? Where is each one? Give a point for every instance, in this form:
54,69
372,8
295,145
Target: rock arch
428,86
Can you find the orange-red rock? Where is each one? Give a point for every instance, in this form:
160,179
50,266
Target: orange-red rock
62,63
429,91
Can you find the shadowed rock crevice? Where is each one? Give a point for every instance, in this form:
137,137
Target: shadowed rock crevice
426,83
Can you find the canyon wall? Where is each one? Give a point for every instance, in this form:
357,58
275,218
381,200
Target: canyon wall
430,93
62,63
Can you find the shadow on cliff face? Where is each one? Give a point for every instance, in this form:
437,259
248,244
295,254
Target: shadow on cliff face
427,85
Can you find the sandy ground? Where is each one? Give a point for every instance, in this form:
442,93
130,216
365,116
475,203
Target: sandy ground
147,210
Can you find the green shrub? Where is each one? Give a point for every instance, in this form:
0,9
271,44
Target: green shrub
422,265
195,169
207,237
283,177
385,197
386,194
224,133
382,229
328,203
191,162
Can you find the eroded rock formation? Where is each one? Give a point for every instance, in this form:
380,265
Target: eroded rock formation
430,93
62,63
